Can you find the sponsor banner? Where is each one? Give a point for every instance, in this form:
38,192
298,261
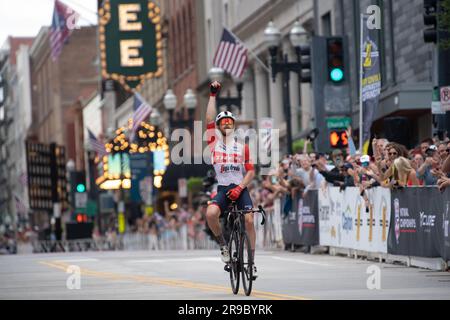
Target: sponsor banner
347,221
289,226
446,228
370,77
308,218
140,170
445,98
300,226
417,227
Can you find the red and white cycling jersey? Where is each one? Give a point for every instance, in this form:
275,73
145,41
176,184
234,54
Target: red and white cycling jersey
230,161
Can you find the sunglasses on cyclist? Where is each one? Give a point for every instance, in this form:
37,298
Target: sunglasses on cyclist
226,121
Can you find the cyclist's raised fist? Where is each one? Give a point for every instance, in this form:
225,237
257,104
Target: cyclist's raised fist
214,88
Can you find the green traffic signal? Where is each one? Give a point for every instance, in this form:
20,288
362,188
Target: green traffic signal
337,75
81,188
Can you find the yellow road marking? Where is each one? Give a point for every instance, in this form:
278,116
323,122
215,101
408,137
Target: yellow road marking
169,282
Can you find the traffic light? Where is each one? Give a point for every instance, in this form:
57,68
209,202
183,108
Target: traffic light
338,139
335,59
81,218
430,20
78,194
81,187
304,57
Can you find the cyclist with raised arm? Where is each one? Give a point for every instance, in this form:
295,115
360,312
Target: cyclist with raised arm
234,172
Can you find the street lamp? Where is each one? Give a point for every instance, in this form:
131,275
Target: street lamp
190,100
217,74
190,103
298,38
170,100
155,118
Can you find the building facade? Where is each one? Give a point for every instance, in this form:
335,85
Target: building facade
262,97
406,61
58,85
15,119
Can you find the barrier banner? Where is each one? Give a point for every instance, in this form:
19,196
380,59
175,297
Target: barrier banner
289,226
446,228
417,227
308,219
346,221
300,226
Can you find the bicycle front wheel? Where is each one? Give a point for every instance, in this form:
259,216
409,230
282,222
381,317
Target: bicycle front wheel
246,264
235,267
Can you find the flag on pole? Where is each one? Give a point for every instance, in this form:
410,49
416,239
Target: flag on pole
60,31
231,55
370,77
20,207
141,111
96,145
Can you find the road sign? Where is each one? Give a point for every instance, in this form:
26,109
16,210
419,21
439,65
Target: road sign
445,98
80,200
338,123
107,204
91,208
436,106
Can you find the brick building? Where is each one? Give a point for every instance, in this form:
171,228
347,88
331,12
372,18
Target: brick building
57,86
184,19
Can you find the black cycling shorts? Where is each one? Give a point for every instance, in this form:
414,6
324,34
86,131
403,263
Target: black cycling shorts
244,202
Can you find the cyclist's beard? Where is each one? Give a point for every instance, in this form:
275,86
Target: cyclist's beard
227,132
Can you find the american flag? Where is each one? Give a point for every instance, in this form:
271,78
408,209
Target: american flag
231,55
141,112
20,207
96,145
59,32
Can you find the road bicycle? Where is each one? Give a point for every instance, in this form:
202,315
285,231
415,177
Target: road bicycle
241,260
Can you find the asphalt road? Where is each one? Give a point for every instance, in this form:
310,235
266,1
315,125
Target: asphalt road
199,275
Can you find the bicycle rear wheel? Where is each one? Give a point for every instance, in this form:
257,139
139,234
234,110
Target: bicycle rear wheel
235,267
246,264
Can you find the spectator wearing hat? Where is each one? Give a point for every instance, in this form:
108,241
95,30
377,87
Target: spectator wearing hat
366,176
432,162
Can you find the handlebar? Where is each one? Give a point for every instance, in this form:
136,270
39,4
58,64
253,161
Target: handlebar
259,210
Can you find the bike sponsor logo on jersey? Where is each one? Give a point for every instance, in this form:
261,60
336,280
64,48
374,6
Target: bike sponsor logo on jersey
229,168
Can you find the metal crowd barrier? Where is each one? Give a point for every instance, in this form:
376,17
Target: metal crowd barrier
269,235
132,241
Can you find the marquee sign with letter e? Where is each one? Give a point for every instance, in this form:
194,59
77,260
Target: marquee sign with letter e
130,41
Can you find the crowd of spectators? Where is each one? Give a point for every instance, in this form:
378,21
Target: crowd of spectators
390,165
